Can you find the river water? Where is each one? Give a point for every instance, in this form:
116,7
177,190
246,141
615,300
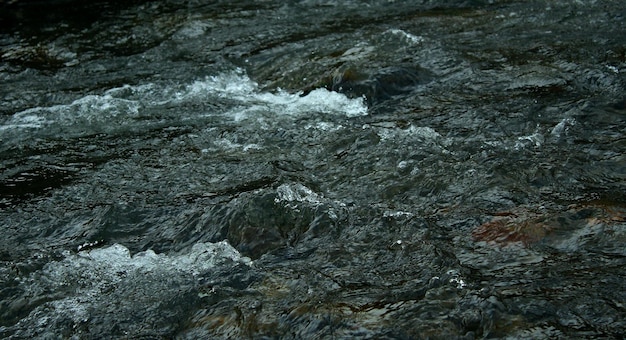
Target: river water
313,169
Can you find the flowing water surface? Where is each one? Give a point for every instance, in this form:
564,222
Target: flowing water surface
313,169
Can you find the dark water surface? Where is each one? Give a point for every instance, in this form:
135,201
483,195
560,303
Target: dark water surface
313,169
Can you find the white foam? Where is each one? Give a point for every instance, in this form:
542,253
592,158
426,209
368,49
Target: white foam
288,104
324,126
296,196
397,213
89,110
234,85
297,193
414,39
93,277
25,120
117,106
237,86
562,127
322,100
612,68
534,140
101,266
456,279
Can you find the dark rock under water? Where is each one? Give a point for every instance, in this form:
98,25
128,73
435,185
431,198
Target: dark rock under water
312,169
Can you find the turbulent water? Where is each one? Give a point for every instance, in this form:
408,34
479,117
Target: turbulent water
313,169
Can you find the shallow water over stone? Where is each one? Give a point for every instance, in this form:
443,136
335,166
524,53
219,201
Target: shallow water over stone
307,169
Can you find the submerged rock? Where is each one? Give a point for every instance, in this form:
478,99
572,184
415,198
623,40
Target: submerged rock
375,86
